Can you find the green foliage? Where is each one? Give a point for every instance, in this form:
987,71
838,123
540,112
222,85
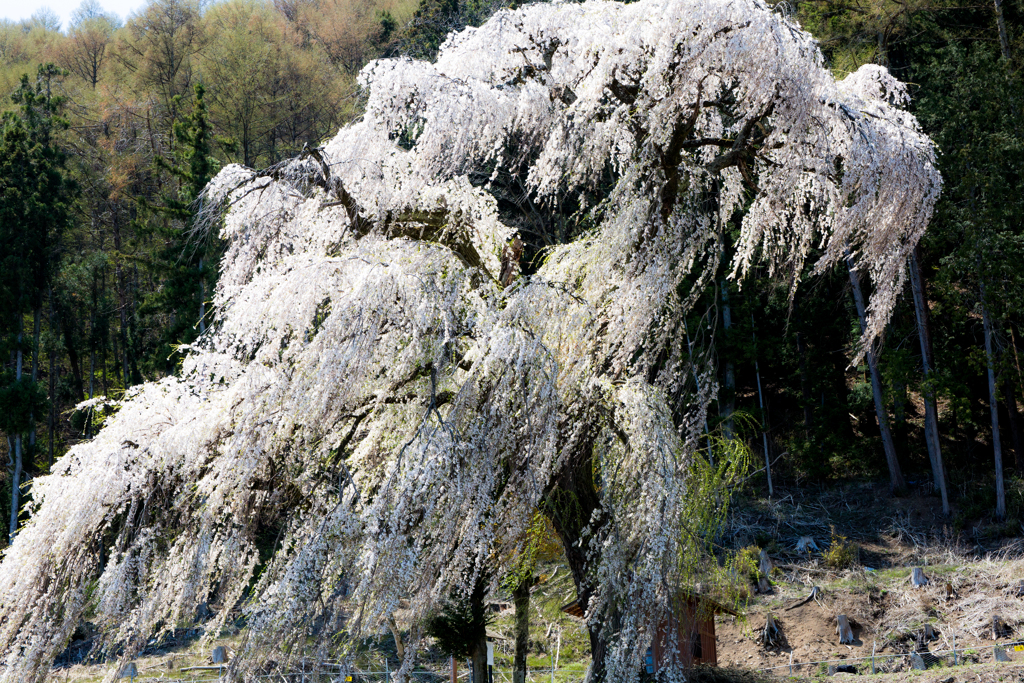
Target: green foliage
19,400
841,553
745,563
459,624
186,261
976,503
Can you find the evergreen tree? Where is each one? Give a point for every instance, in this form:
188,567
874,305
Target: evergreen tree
35,199
185,259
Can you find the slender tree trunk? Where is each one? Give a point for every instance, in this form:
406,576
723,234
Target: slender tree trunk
521,600
75,360
36,330
52,418
1004,37
931,413
1010,399
396,634
760,404
895,474
122,306
997,448
16,460
899,414
728,400
805,386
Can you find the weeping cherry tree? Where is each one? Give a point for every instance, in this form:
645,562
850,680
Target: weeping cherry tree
390,391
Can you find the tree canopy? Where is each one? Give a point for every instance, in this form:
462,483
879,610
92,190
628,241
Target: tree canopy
384,391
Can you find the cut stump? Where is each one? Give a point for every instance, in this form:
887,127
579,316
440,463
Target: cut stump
806,544
770,635
764,564
844,630
917,578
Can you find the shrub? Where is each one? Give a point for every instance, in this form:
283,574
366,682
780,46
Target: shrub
841,553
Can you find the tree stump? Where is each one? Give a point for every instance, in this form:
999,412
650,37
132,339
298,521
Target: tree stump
844,630
764,564
203,612
916,662
770,635
1000,654
219,655
129,670
999,628
764,585
917,578
806,544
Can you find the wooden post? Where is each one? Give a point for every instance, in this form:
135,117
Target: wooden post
455,670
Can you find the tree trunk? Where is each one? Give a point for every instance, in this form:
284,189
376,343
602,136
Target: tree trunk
478,644
895,474
1010,398
52,418
399,646
16,460
36,329
727,402
931,414
1004,37
805,386
122,306
571,521
997,448
521,600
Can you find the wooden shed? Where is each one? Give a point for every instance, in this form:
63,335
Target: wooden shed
686,638
688,635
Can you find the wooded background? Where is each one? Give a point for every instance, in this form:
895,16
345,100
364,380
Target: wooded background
115,125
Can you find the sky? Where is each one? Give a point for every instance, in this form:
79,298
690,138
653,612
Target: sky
16,10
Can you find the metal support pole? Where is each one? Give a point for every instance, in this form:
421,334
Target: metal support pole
954,648
873,643
790,662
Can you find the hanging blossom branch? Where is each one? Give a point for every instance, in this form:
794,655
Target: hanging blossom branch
381,396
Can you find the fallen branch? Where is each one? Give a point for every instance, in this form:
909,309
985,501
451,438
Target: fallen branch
813,595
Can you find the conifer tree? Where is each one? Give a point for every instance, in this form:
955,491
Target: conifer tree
185,257
35,198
